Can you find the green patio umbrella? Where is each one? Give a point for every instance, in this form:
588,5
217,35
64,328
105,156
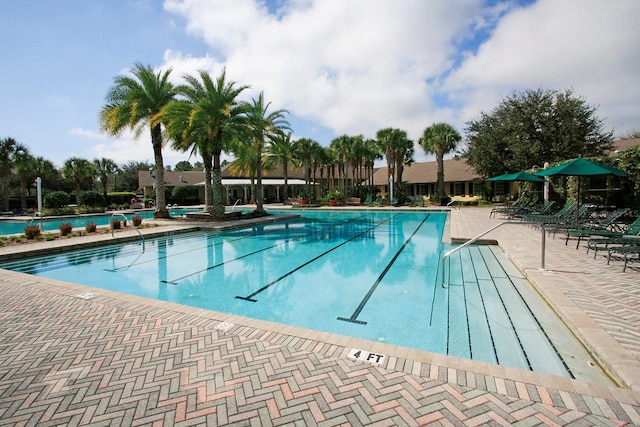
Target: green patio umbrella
581,167
517,176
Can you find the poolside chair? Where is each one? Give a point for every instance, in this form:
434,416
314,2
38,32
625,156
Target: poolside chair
531,210
567,211
625,252
604,239
517,204
606,224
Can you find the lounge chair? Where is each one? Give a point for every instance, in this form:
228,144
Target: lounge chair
604,239
516,205
567,211
596,227
625,252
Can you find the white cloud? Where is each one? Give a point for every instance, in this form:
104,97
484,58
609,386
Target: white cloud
355,66
589,45
358,66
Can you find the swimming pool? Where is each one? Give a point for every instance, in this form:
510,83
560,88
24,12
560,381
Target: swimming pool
12,226
367,274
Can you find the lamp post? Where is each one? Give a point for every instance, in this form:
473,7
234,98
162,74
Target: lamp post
545,192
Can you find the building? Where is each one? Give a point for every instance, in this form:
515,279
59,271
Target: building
421,179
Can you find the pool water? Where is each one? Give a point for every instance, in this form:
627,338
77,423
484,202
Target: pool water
368,274
11,226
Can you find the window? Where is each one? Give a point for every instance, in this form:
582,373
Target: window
477,189
458,189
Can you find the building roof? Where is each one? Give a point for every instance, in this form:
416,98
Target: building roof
188,178
623,145
455,170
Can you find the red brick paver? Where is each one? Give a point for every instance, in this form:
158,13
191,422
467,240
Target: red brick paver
122,360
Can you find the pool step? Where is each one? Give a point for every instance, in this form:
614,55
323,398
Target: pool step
488,319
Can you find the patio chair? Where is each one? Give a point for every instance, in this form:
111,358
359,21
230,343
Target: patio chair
567,210
625,252
517,204
596,227
604,239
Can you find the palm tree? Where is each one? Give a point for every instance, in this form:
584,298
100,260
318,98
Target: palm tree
135,103
78,171
7,150
104,168
24,164
280,151
440,138
398,150
261,128
206,121
304,149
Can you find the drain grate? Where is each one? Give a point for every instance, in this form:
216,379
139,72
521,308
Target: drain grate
86,295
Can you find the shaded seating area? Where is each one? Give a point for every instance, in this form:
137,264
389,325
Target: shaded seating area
626,253
597,225
605,240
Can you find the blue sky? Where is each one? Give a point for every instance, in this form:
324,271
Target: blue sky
339,67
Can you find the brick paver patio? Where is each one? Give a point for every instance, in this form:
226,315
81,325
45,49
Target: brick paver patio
75,355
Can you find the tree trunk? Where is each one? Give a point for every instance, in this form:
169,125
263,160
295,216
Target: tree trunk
259,189
216,182
440,162
161,202
208,188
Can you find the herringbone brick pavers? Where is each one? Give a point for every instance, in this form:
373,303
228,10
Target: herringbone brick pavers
116,360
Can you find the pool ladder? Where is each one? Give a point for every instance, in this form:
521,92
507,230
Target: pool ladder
446,278
126,219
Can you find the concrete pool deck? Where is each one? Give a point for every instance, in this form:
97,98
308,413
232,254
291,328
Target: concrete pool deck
75,355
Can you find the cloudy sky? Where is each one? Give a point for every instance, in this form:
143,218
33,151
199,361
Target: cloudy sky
338,66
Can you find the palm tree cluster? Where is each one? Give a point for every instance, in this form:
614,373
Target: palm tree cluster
19,168
204,116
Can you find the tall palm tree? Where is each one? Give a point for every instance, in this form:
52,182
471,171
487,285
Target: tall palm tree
439,139
24,165
135,103
7,150
207,120
104,168
79,171
262,127
244,163
304,149
398,150
280,151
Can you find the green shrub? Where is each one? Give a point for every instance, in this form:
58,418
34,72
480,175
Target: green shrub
180,194
32,231
120,198
91,227
91,198
137,220
58,211
116,224
65,228
57,199
50,237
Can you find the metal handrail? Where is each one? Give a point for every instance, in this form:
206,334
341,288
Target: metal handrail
126,219
471,241
234,205
36,214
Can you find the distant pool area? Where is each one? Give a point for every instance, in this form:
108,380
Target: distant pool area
15,226
368,274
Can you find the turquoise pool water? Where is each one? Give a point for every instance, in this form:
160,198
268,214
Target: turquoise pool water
10,226
369,274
